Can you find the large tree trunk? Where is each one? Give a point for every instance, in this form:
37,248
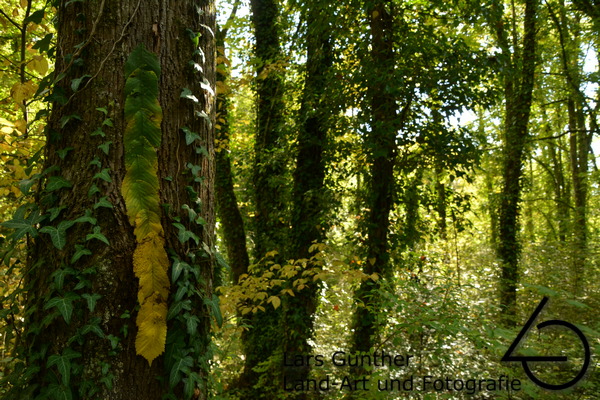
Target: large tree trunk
519,67
89,351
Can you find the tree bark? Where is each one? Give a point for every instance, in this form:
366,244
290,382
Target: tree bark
85,147
382,148
519,65
309,204
270,231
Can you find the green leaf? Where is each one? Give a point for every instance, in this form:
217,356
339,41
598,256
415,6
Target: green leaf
80,251
96,162
97,235
142,58
87,217
184,235
63,304
98,132
59,276
177,269
75,83
192,325
25,185
103,202
44,44
105,147
93,190
63,152
55,212
94,328
182,364
57,183
104,175
58,234
187,94
23,226
60,392
91,300
36,17
190,136
65,120
216,310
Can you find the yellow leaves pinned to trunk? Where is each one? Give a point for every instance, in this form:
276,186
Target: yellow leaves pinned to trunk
140,190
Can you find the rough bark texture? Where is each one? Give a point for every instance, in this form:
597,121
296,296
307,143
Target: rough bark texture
309,204
109,30
518,88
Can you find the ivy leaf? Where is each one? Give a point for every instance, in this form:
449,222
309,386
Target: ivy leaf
63,304
190,136
97,235
58,234
105,147
87,217
177,269
80,251
25,185
59,392
216,310
91,300
192,325
57,183
23,226
184,235
93,190
103,202
187,94
75,83
63,152
55,212
181,365
104,175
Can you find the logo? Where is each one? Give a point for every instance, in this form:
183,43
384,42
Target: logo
546,359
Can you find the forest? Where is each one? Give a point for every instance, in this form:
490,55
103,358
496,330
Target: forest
299,199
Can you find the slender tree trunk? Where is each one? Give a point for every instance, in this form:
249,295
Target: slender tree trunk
579,139
234,232
85,347
381,144
518,82
270,230
309,204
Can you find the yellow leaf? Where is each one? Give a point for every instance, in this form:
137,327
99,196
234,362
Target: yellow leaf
21,125
23,91
275,301
7,130
38,64
150,265
152,329
374,277
24,3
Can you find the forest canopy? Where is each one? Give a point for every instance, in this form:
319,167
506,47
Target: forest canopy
299,199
